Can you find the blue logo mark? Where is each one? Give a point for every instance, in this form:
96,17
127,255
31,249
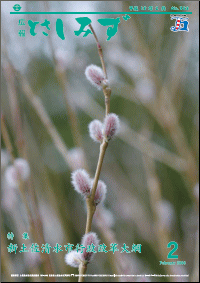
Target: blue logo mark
181,23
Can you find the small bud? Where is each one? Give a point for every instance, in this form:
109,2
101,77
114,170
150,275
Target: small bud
111,126
96,131
20,170
81,182
87,240
98,45
95,75
100,194
105,83
73,258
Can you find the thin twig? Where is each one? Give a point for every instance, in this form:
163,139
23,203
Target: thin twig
106,90
91,207
138,141
100,51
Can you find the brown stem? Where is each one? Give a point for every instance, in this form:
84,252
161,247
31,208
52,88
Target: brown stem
82,271
100,51
107,94
91,207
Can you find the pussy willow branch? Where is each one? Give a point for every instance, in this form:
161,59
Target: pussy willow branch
100,51
136,140
106,91
36,103
91,207
76,129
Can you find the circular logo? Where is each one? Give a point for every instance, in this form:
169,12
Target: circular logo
17,7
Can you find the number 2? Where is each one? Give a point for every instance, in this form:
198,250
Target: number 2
170,254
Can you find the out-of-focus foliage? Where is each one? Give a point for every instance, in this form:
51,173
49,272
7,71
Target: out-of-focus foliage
151,168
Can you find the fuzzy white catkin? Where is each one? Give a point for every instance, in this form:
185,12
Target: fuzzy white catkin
96,131
73,258
95,76
111,126
89,239
81,182
100,193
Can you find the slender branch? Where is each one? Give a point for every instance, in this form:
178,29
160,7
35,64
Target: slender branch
136,140
103,148
82,271
91,207
100,51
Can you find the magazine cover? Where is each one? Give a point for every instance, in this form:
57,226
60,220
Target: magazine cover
99,141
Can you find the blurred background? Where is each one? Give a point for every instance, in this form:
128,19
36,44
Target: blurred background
151,168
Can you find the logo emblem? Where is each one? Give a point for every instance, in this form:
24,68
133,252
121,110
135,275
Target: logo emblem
17,7
181,23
